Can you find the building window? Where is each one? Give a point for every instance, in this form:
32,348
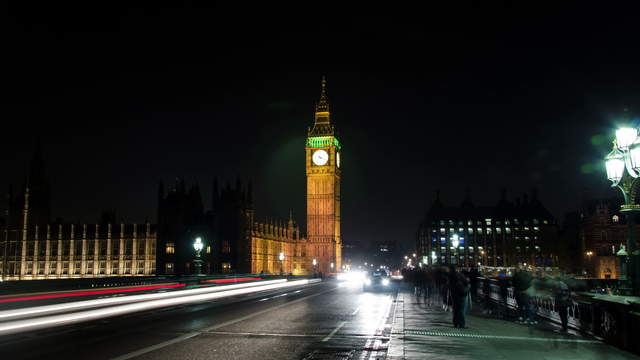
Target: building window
140,267
168,268
170,249
535,228
479,231
526,228
470,231
226,267
498,230
442,231
141,247
208,249
615,218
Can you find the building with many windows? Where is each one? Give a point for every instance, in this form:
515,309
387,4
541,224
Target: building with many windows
506,234
35,247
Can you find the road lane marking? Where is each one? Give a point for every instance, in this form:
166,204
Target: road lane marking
211,328
334,332
356,311
437,332
157,346
261,334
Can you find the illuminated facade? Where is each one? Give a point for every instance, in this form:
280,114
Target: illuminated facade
503,235
33,247
323,189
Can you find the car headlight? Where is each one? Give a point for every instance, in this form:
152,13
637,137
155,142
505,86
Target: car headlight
367,281
385,282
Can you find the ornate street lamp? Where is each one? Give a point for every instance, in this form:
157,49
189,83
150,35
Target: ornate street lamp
197,262
626,155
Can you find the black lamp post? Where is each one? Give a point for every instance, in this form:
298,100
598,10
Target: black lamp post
197,262
626,156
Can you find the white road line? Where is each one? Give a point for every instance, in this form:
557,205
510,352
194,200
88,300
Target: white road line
260,334
356,311
334,332
227,323
156,346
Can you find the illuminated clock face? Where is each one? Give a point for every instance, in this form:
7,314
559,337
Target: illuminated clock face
338,159
320,157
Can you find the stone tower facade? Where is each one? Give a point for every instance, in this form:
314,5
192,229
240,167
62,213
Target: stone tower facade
323,189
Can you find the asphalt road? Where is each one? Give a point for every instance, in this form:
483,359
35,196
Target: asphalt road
319,321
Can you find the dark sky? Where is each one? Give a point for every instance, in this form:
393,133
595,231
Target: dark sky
477,96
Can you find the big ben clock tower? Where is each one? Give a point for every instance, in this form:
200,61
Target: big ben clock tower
323,190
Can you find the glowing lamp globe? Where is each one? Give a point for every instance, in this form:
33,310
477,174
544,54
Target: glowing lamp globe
281,257
626,136
198,244
634,157
455,241
614,162
315,262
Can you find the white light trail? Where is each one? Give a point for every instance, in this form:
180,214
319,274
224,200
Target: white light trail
86,304
66,319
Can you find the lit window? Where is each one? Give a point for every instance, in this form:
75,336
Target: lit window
479,231
535,228
470,230
498,230
469,222
442,230
226,267
526,228
488,231
168,268
208,249
170,248
488,221
545,222
451,230
507,230
615,218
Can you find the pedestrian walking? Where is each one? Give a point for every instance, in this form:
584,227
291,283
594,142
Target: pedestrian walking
459,287
562,299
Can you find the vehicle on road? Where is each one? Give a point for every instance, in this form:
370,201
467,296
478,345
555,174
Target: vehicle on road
377,280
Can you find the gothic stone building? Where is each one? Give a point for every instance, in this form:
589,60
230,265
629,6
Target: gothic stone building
506,234
35,247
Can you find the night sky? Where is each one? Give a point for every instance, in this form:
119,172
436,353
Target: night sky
477,97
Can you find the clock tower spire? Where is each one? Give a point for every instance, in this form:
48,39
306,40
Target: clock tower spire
323,190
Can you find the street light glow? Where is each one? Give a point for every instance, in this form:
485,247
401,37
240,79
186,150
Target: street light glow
455,241
626,136
197,245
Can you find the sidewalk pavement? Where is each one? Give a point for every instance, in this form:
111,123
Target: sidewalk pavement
422,332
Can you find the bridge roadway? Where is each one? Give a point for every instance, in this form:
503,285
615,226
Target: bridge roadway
327,320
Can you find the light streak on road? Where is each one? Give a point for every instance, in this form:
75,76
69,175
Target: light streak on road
79,305
76,317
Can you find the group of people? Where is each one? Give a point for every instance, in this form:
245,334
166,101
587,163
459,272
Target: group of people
448,286
457,289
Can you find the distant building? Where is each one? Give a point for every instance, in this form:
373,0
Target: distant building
603,229
34,247
505,234
234,242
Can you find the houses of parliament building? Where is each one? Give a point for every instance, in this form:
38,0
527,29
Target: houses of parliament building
32,246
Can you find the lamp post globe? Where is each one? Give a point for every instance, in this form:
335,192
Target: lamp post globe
197,262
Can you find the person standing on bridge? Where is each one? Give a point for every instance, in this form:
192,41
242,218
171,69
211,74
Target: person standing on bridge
459,287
